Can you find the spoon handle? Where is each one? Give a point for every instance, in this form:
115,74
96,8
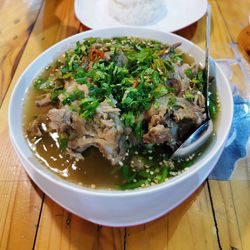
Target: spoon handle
208,32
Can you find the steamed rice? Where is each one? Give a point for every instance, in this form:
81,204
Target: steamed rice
137,12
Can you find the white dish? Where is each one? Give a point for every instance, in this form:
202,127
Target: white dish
180,13
118,208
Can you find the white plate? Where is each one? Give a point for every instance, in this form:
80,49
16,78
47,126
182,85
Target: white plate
180,13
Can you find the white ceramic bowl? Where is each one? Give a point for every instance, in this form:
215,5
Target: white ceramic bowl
118,208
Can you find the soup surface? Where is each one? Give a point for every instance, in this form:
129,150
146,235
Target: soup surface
109,112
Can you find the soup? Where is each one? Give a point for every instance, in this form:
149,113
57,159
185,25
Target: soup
109,112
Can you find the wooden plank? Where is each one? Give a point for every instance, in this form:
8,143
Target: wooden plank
189,226
225,214
235,14
110,238
241,197
19,201
60,229
220,39
240,192
20,205
232,207
56,22
10,168
14,30
239,80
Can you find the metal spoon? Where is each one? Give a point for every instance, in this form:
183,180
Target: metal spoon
200,135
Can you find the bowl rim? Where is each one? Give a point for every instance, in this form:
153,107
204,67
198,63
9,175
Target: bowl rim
118,193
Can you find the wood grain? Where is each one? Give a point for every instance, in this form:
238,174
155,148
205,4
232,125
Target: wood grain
240,193
189,226
20,204
225,214
55,22
220,39
111,238
238,79
232,207
235,14
60,229
14,31
241,197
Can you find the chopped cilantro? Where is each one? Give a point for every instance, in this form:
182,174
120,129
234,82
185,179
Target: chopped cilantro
189,73
88,107
54,95
213,106
44,85
128,118
73,96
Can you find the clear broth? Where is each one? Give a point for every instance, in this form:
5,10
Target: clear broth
93,171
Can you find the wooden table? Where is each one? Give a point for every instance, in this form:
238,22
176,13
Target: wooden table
216,216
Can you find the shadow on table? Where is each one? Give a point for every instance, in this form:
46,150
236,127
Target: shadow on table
188,32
